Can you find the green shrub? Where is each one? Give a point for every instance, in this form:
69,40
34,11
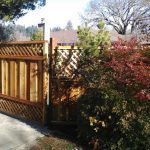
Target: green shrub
106,117
110,117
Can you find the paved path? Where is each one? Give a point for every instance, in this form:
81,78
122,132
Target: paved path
16,135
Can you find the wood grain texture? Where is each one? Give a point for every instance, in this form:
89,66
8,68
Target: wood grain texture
21,79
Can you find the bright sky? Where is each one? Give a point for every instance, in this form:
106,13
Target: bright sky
56,13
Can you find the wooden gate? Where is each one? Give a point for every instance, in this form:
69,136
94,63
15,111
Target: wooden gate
64,90
22,79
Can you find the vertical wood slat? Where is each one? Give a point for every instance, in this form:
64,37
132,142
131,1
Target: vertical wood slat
1,76
33,82
6,77
12,79
40,89
17,83
28,80
22,80
60,115
40,81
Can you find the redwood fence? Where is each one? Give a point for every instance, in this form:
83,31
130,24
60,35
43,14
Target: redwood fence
22,79
64,90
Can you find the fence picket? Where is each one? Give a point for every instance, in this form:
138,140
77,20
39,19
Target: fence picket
12,78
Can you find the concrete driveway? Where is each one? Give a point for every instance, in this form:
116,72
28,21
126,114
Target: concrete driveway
17,135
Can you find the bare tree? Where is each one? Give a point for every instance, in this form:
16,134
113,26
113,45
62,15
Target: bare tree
122,15
143,31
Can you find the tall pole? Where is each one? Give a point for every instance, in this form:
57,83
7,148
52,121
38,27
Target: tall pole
46,28
47,38
46,33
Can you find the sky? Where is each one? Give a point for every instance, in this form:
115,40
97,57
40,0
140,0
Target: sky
56,13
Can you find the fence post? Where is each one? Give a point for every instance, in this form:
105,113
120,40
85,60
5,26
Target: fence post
0,76
45,85
53,44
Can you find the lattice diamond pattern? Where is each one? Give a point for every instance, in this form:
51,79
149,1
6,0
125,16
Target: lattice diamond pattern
66,62
22,49
28,112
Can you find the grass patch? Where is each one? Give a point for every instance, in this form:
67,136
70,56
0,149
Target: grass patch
54,143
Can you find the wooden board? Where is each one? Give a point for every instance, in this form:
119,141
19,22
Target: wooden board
12,79
22,80
5,77
33,82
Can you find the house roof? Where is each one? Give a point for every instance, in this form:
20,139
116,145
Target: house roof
65,36
70,37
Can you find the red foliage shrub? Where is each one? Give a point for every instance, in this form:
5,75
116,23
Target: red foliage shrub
129,70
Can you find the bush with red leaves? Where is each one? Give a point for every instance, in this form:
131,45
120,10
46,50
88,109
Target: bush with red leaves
129,70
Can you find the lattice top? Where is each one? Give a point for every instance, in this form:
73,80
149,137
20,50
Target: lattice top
66,62
22,48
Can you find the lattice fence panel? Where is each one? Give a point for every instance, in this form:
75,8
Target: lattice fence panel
29,112
66,62
24,49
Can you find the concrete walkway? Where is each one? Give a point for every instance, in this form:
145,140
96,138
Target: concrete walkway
17,135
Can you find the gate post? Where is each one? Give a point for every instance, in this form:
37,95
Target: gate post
45,82
53,44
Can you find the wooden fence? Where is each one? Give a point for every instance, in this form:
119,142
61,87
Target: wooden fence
64,90
22,79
